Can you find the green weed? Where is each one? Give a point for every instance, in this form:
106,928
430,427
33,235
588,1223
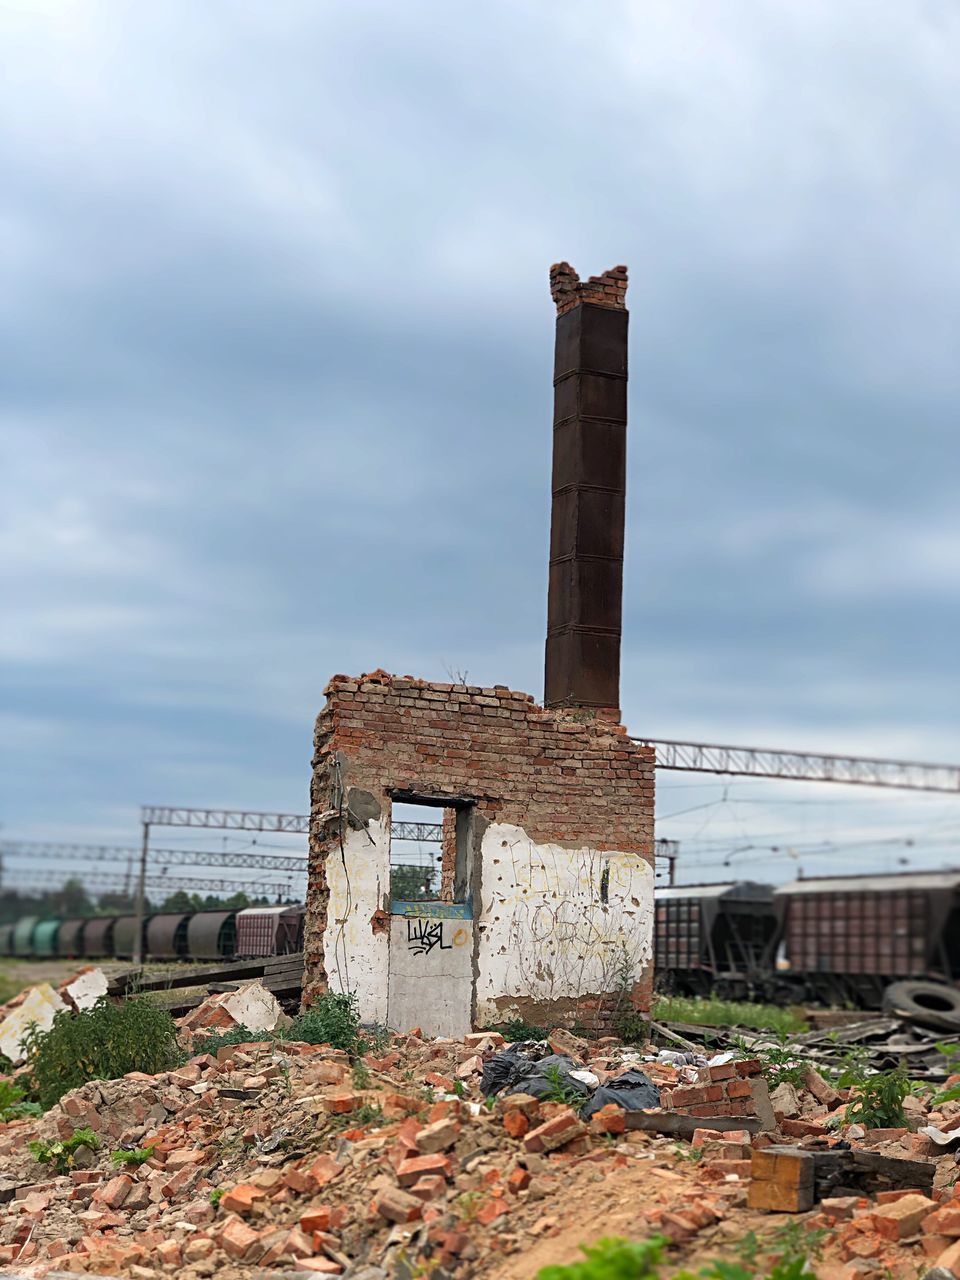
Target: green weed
727,1013
136,1156
62,1154
216,1195
516,1029
236,1035
101,1043
693,1154
559,1090
611,1258
952,1094
332,1019
879,1103
13,1105
361,1075
778,1062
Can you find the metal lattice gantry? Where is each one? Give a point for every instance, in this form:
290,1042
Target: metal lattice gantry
233,819
40,851
107,880
428,832
804,766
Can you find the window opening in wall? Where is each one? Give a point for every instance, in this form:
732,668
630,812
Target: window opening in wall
416,852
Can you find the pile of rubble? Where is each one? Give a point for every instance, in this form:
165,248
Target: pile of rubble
281,1157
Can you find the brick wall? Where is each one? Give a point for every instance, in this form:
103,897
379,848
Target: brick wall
567,782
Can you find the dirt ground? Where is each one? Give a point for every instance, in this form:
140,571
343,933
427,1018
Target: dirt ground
17,974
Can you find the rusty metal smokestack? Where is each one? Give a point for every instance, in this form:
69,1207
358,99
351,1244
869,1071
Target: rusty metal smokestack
585,601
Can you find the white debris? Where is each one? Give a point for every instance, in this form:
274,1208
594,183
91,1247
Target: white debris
938,1136
85,989
41,1005
253,1006
586,1077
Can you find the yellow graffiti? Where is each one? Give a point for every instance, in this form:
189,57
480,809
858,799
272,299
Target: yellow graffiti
460,938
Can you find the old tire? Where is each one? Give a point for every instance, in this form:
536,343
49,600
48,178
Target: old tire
929,1004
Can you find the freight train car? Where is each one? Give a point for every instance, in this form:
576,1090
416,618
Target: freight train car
845,939
713,939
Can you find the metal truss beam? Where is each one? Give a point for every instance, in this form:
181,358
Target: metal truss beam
46,852
234,819
428,832
109,881
804,766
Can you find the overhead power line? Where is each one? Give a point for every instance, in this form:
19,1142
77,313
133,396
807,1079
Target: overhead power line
804,766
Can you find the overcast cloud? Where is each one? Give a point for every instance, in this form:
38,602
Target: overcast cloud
275,395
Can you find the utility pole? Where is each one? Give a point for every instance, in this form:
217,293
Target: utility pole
141,890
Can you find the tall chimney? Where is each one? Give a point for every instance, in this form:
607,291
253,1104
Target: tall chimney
585,600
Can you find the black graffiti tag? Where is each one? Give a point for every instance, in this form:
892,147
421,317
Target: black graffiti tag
424,935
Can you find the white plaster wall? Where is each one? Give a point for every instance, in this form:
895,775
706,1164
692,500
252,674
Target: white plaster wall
356,958
544,933
431,980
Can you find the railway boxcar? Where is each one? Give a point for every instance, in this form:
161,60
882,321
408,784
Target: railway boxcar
712,939
70,938
44,941
23,935
167,935
212,935
847,937
270,931
6,939
124,936
97,937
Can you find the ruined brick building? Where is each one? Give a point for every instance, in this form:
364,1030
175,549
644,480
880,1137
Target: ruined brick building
548,810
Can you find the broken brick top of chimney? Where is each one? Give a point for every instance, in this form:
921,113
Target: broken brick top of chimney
568,290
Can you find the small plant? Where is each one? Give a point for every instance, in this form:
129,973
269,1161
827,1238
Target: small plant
952,1094
216,1195
879,1102
135,1157
516,1029
100,1043
854,1067
236,1035
361,1075
459,1088
559,1090
693,1154
62,1154
13,1105
779,1063
611,1259
332,1019
632,1027
367,1113
375,1039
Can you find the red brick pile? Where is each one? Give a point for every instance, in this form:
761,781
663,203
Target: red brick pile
280,1158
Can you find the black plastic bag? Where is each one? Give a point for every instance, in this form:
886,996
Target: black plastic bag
513,1071
533,1078
500,1070
632,1091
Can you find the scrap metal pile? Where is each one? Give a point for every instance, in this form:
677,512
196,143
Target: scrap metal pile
469,1158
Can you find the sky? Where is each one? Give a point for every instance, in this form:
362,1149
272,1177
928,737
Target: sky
275,395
